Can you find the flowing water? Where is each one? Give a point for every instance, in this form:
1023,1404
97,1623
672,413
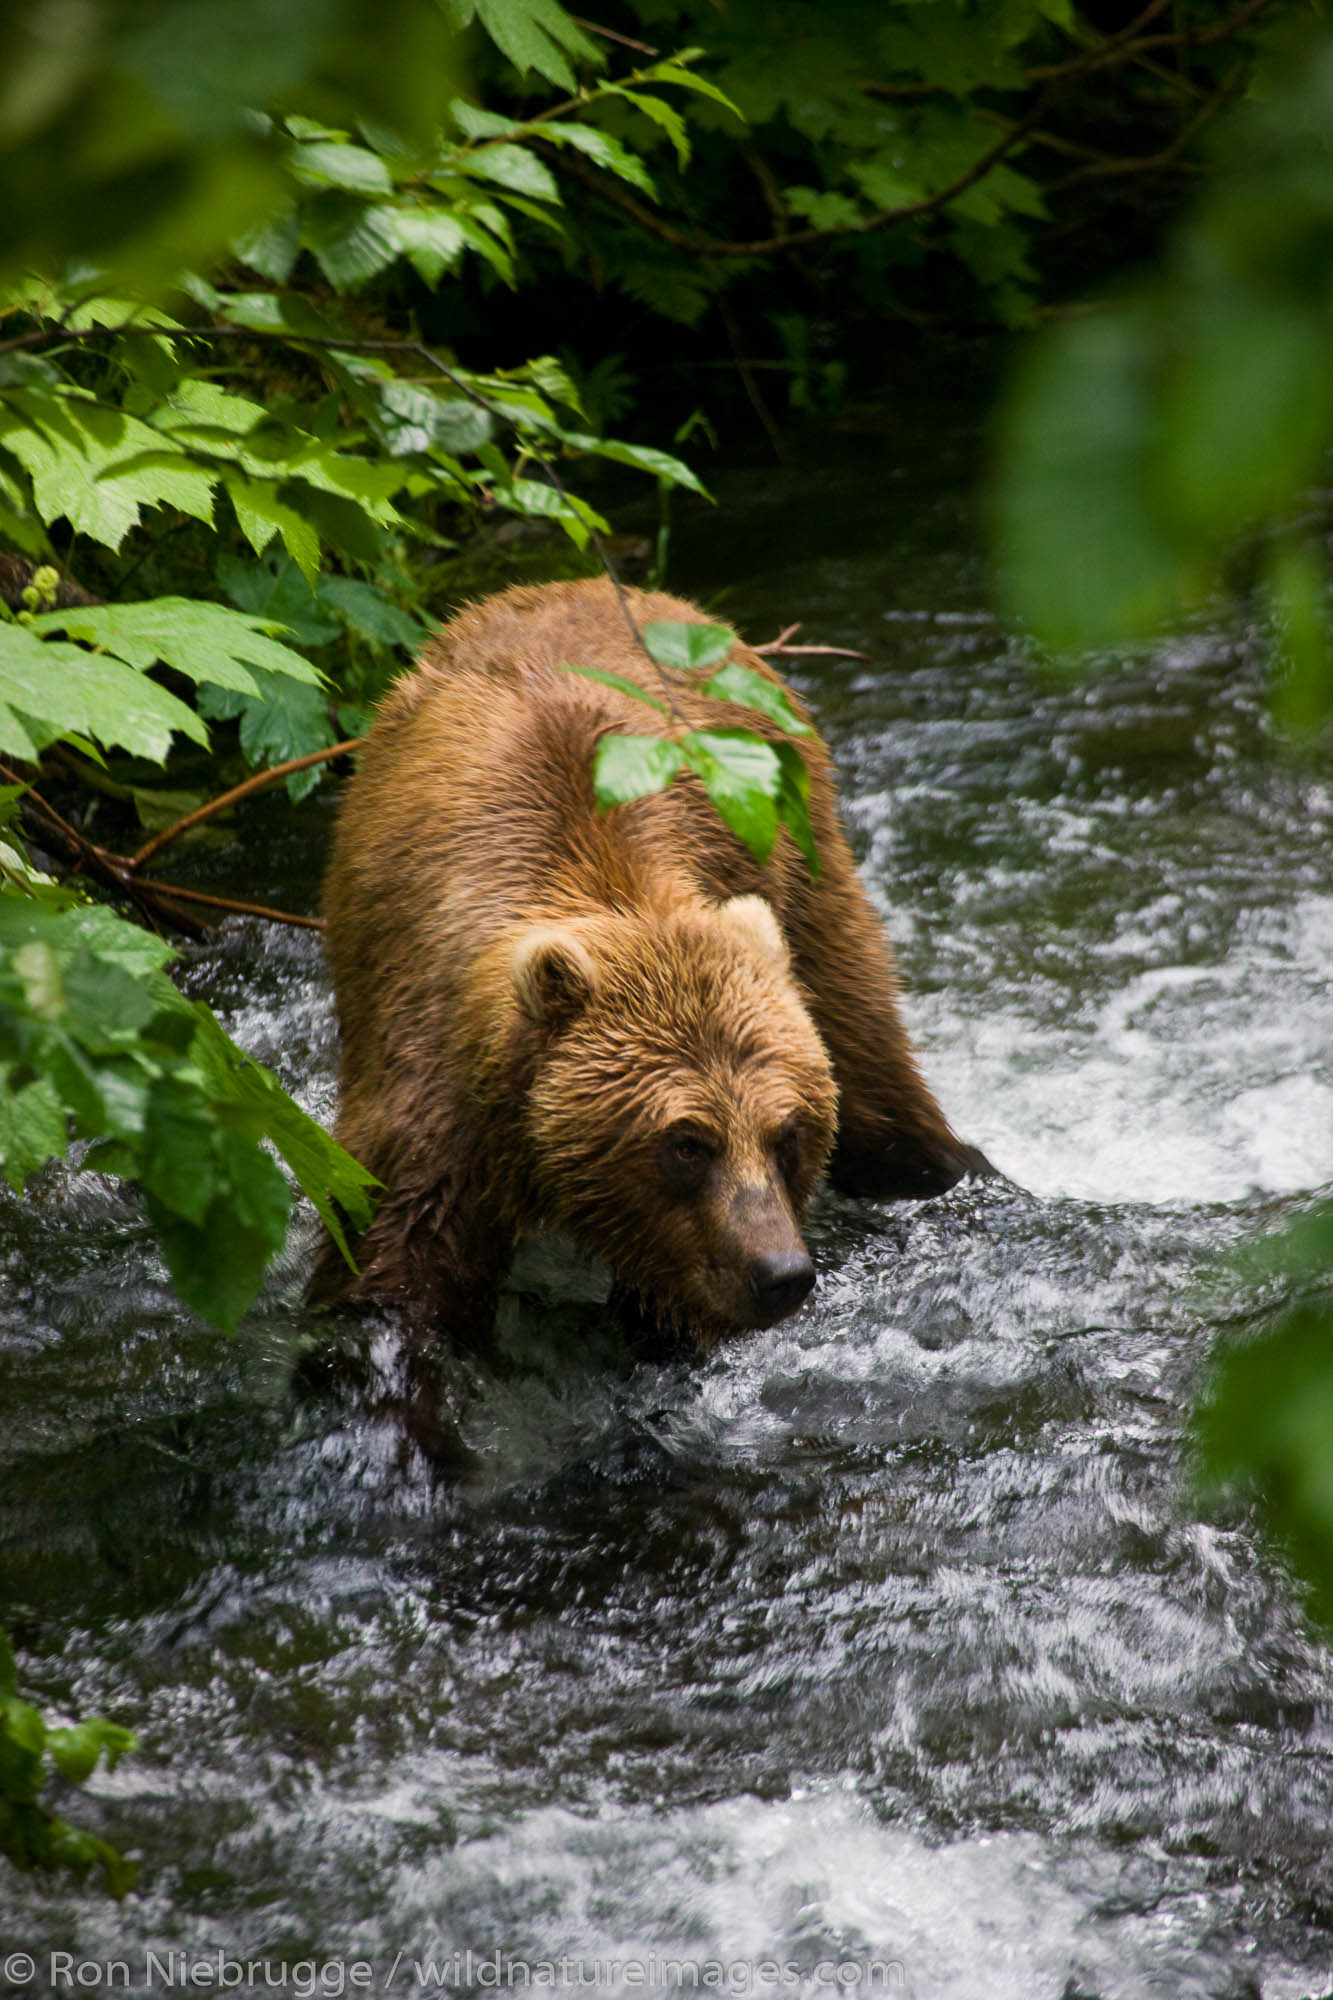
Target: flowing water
889,1650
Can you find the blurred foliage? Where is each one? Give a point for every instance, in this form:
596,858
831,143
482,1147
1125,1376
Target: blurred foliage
1141,442
1147,454
32,1753
140,133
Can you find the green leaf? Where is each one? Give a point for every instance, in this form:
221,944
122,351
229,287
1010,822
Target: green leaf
536,499
32,1131
431,239
273,247
824,210
1268,1421
104,1004
630,767
372,616
489,244
417,419
325,1173
674,71
346,524
743,777
203,413
752,690
178,1167
534,34
351,243
667,118
645,457
17,737
1085,560
1303,698
685,644
58,688
511,167
326,163
276,592
218,1265
883,183
794,802
260,514
162,477
96,466
103,933
474,121
206,642
22,1731
283,720
606,152
1245,412
76,1750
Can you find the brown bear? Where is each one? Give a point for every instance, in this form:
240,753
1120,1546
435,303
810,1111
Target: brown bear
616,1024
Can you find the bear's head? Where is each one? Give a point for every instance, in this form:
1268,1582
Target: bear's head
681,1106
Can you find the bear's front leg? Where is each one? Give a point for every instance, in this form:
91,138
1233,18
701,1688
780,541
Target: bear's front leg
893,1142
437,1250
434,1258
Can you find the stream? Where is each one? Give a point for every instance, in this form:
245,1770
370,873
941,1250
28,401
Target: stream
889,1650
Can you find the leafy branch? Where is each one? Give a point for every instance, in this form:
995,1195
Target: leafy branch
1052,80
800,239
32,1753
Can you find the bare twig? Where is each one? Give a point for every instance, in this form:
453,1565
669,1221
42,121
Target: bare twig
1051,140
779,645
229,903
807,652
797,239
610,35
76,850
1109,43
1130,43
751,387
1169,156
256,783
775,645
116,872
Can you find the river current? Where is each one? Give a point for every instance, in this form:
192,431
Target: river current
893,1648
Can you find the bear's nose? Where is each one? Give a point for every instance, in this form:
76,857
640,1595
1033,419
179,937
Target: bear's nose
779,1283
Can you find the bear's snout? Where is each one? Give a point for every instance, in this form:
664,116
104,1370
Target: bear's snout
779,1283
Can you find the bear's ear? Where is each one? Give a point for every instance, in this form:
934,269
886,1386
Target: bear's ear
554,975
752,919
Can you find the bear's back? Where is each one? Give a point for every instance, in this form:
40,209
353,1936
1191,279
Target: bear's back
525,637
473,807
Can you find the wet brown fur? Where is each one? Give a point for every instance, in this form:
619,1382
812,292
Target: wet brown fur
531,994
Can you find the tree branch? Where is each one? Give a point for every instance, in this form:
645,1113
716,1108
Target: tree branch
1169,156
800,239
610,35
115,872
1129,44
256,783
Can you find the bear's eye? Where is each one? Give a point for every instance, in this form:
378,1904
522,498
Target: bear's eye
787,1150
685,1158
